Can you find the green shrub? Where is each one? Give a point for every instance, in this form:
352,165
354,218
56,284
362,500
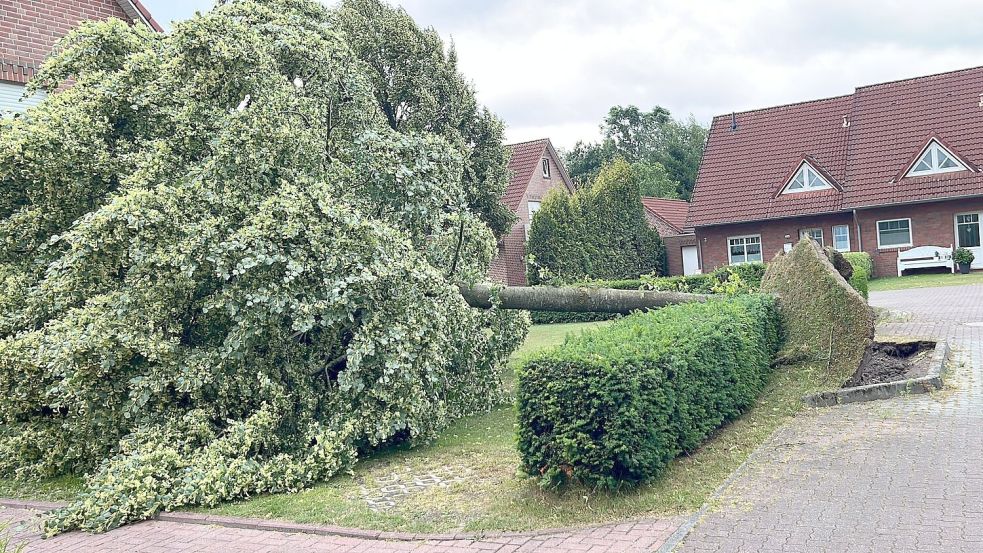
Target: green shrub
613,406
863,267
557,317
598,232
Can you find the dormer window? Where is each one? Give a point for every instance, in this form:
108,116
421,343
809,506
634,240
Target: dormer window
546,168
806,179
935,158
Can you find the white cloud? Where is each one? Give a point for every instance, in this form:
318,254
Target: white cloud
554,68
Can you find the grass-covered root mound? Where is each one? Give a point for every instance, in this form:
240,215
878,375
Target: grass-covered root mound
612,407
823,316
223,273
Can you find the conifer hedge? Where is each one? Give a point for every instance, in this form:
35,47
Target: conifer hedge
599,232
613,406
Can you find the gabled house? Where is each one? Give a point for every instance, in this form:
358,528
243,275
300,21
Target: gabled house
669,218
30,28
535,168
889,167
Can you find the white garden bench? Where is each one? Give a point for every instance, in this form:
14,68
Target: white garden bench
925,256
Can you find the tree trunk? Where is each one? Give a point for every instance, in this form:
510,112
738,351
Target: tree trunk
544,298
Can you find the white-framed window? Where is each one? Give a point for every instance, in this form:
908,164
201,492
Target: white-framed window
12,100
841,238
546,167
814,233
806,179
744,249
894,233
968,230
935,158
534,206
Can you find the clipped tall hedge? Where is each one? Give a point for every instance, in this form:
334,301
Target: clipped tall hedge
597,233
613,406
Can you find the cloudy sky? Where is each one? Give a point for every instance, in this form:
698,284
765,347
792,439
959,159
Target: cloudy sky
552,68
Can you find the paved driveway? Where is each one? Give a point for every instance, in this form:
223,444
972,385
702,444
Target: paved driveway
888,476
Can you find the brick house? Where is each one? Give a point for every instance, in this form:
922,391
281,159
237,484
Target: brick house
535,169
30,28
669,218
889,167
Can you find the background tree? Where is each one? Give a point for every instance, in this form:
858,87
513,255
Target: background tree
223,272
646,140
599,232
419,89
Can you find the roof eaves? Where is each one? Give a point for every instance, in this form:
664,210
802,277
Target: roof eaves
136,11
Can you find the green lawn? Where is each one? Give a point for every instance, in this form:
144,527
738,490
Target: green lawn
492,496
925,281
478,457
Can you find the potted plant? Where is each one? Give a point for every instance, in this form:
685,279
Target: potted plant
963,258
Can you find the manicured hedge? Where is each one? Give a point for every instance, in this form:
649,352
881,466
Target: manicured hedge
613,406
863,267
557,317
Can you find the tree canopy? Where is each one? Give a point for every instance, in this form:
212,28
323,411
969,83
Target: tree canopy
599,232
225,271
665,152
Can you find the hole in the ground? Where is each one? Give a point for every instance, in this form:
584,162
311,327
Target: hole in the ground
890,361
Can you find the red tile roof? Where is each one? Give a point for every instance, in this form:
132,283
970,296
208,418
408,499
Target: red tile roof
524,161
673,212
744,169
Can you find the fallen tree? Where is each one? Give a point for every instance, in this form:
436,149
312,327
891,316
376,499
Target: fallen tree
547,298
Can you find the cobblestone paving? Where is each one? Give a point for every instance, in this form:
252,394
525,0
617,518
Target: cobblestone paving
162,537
897,475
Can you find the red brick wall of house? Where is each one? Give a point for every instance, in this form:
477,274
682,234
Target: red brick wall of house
932,224
674,251
509,266
30,28
774,235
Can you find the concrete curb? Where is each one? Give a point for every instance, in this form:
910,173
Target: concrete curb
325,529
886,390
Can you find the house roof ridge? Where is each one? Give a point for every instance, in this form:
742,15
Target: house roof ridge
525,142
782,106
919,77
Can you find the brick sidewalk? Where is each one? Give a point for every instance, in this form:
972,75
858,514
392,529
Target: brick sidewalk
888,476
160,536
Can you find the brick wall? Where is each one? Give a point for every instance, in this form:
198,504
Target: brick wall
774,235
509,266
30,28
932,224
674,251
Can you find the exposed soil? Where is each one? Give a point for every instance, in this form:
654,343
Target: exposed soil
888,361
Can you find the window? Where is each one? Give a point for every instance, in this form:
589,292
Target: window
935,159
814,233
805,180
894,233
12,99
546,167
533,208
968,230
744,249
841,238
